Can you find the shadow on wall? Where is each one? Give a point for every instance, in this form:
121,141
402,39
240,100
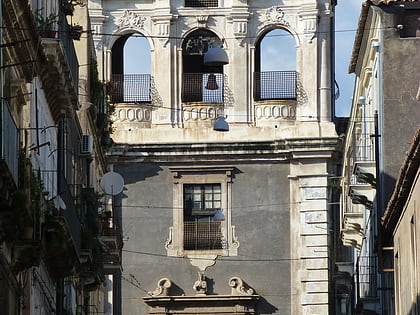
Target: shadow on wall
138,172
264,307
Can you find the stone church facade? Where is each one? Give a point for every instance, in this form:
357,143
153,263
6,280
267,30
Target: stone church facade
233,221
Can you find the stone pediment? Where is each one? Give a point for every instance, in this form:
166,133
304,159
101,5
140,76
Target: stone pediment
242,299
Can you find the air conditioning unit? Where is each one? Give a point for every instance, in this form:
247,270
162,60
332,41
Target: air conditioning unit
86,145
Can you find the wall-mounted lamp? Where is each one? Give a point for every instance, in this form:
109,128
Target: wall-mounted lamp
219,216
216,56
362,100
221,124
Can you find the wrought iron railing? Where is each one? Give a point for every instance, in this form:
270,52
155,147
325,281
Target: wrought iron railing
9,141
367,276
203,87
65,36
202,235
275,85
70,213
364,149
201,3
130,88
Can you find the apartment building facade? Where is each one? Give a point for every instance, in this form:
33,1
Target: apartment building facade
52,256
384,117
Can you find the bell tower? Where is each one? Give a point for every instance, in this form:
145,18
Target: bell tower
235,116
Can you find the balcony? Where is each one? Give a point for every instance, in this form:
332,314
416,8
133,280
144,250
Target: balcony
9,144
60,254
26,254
60,75
130,88
275,85
111,239
203,88
352,232
202,235
361,194
364,150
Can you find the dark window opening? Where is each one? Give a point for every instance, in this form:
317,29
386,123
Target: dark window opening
410,24
201,83
131,80
275,74
201,232
201,3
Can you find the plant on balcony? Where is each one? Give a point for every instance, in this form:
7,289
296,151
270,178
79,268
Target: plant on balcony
68,7
76,31
46,24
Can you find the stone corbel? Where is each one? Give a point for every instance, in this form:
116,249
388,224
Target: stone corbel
309,27
238,286
202,21
162,288
239,19
163,26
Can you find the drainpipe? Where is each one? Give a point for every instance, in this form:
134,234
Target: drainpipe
325,67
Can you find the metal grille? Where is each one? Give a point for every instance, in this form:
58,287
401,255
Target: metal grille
367,277
70,51
131,88
274,85
201,3
202,87
202,235
9,140
364,149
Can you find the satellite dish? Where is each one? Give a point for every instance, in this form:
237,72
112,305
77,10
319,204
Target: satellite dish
112,183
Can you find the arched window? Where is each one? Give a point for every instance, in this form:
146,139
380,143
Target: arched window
131,76
275,66
201,83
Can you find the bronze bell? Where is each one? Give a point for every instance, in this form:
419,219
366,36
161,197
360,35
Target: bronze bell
211,82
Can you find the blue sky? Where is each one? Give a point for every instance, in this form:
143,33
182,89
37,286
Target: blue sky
347,14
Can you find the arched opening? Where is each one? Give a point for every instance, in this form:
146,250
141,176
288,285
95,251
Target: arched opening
201,83
131,73
275,66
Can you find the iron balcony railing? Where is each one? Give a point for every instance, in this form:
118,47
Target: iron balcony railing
130,88
367,268
203,87
364,149
9,141
70,213
64,35
201,3
202,235
275,85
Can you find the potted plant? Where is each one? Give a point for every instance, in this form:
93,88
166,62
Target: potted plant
76,31
68,7
46,24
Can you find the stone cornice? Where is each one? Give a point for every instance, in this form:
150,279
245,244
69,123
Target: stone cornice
278,150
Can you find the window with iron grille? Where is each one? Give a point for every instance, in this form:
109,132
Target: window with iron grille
202,223
201,231
201,3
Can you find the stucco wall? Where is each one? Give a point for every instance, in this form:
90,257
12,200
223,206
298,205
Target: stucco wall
260,213
401,110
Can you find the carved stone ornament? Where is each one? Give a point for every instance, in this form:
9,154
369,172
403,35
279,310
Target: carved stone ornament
163,287
275,14
238,286
131,19
200,286
202,20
